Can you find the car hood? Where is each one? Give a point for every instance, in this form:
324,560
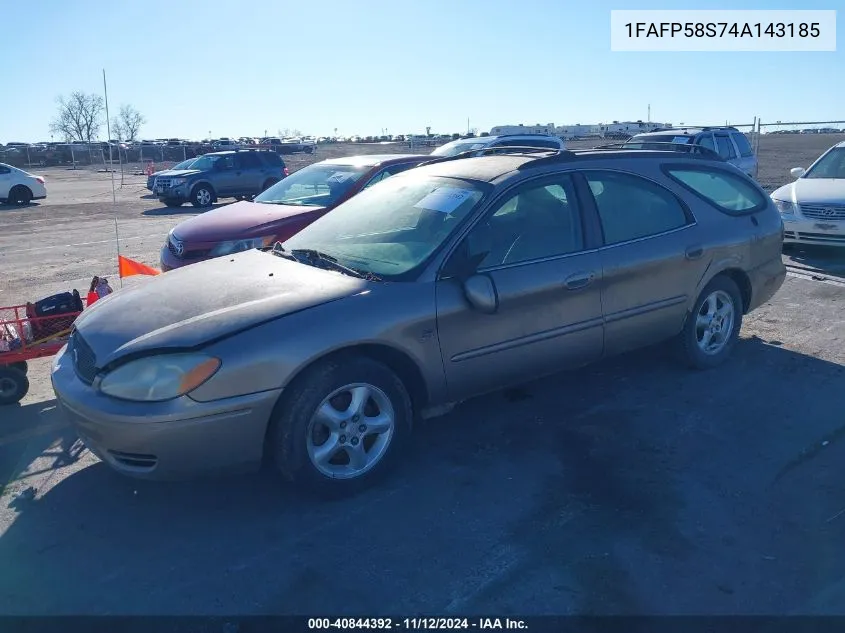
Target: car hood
177,172
813,191
194,305
238,220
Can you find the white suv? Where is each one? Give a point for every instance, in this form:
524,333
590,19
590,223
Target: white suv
20,187
477,144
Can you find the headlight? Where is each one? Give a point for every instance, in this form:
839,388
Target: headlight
158,378
175,182
784,207
236,246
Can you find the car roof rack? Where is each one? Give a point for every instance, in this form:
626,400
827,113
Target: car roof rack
676,147
703,128
505,149
704,153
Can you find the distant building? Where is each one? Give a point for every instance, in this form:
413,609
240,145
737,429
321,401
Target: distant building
538,128
616,128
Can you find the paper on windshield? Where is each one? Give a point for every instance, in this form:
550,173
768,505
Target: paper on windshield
340,176
444,199
683,140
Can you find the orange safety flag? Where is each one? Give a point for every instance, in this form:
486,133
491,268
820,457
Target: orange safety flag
128,267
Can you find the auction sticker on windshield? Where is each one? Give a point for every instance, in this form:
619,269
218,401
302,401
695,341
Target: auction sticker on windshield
444,199
340,176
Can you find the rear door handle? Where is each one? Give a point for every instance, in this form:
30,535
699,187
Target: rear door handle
694,252
579,280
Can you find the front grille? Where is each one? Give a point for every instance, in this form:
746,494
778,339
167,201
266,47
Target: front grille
186,253
819,237
162,182
823,211
84,360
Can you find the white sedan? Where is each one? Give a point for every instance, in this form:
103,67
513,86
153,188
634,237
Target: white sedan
20,187
813,207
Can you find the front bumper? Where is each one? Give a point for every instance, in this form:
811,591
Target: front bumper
177,439
798,230
179,192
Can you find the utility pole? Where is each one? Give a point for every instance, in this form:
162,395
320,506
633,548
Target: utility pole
649,113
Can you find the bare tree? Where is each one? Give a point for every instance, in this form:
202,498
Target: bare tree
79,117
117,131
129,122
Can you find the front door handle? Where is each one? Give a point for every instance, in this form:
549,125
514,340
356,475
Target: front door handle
694,252
579,280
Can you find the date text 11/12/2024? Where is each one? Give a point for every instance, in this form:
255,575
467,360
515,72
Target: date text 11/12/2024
414,624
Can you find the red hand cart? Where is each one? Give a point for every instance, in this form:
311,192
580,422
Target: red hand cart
23,337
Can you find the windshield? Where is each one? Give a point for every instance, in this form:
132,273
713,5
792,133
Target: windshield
204,163
831,165
456,147
320,185
394,226
185,164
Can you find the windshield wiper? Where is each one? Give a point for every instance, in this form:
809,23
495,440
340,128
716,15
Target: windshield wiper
331,262
280,251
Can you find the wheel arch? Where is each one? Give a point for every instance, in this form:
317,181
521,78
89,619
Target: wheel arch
208,183
727,268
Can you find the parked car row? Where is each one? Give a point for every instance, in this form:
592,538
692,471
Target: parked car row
388,287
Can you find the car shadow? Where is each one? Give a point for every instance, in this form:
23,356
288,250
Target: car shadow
634,447
185,209
19,207
816,258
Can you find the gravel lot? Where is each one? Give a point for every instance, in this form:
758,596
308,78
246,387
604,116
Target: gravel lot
630,487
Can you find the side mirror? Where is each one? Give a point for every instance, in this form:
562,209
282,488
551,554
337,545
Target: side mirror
797,172
480,291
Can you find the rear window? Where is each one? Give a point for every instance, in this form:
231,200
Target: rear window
272,159
742,144
729,193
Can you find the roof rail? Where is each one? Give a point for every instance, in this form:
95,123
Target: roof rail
505,149
704,153
665,147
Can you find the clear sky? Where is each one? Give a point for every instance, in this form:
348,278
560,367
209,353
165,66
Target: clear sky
237,68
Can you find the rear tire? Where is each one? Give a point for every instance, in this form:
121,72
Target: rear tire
334,386
20,195
712,327
268,183
14,385
21,365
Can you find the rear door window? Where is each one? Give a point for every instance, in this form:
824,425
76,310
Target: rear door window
706,140
250,161
725,147
631,207
728,192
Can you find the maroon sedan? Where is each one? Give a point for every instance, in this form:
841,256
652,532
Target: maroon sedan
281,211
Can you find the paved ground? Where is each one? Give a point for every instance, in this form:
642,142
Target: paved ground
631,487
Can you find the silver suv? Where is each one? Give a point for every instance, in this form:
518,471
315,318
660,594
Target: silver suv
729,143
481,143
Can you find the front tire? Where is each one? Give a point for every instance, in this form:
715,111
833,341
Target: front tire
172,203
14,385
712,327
202,196
342,428
20,195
